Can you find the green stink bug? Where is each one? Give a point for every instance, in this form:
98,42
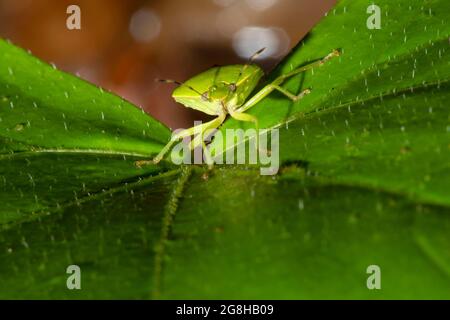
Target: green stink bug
225,90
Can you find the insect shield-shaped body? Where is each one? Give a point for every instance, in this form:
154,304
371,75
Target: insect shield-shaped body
222,91
218,89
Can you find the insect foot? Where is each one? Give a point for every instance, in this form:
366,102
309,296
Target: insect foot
301,94
142,163
332,54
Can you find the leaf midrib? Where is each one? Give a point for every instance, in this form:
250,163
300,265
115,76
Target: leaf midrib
412,90
142,180
364,72
318,111
39,151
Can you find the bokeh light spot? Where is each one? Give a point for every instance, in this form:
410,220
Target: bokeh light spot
260,5
250,39
145,25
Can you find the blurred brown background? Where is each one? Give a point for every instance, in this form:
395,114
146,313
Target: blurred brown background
124,45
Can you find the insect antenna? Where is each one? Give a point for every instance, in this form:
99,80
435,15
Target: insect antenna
178,83
255,55
249,61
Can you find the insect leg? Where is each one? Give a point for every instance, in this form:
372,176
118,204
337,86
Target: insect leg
247,118
209,160
180,135
275,85
173,139
266,91
244,117
291,96
197,141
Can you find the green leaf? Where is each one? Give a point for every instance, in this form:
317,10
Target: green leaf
409,51
61,137
303,237
47,109
365,179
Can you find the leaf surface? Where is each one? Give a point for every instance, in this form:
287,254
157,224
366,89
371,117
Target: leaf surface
364,179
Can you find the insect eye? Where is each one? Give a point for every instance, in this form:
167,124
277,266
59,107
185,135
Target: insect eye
233,87
205,96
